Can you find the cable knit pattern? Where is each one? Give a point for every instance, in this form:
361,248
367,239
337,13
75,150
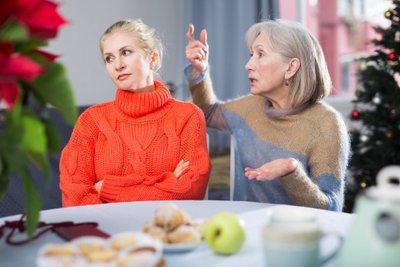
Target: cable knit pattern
133,144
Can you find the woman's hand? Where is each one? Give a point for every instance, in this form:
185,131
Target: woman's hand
98,186
197,50
271,170
181,168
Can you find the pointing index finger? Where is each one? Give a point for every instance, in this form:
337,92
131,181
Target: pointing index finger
203,37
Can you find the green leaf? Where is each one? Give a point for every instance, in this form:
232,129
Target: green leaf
53,140
33,204
13,31
30,44
33,138
15,160
34,141
1,163
54,88
12,124
4,180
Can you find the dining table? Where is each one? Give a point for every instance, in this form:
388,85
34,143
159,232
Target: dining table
114,218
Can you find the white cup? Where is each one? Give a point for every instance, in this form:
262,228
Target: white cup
292,239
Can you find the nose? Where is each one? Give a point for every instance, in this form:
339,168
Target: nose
249,65
119,64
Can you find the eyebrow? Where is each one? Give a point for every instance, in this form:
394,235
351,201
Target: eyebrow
259,46
122,48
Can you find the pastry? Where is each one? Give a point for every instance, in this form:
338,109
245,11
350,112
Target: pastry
185,234
95,249
101,255
169,217
139,258
60,251
122,241
58,255
155,232
145,252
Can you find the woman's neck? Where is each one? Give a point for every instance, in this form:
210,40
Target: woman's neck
279,103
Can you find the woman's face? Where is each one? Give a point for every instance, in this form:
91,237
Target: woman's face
266,70
128,66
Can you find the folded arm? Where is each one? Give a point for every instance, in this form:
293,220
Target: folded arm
191,184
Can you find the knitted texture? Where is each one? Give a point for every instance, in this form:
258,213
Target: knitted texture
317,138
134,144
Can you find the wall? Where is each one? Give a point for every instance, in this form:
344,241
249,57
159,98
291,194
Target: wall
78,46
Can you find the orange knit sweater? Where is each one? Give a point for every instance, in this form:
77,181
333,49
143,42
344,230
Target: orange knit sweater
134,144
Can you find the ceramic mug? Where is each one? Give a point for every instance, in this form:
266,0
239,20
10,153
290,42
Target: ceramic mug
374,238
292,238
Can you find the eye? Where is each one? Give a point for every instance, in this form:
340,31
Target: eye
126,52
108,59
260,54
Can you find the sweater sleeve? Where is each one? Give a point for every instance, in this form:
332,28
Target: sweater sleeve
192,185
204,97
77,175
328,161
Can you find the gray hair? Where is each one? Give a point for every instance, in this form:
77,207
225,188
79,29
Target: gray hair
146,36
290,39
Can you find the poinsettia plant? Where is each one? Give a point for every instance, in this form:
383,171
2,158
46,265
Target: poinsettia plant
31,82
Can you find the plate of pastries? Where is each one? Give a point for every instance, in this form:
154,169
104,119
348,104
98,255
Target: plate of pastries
127,249
175,229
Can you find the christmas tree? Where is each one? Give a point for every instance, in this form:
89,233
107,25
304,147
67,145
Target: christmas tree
375,141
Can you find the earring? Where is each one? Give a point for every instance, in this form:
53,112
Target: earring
286,82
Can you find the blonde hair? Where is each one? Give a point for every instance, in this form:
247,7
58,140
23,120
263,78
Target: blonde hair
311,83
146,37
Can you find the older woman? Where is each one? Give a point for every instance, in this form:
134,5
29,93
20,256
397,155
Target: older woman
144,145
292,147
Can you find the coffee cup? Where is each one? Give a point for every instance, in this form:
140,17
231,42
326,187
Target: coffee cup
292,238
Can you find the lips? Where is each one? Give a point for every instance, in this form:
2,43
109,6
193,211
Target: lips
252,80
122,77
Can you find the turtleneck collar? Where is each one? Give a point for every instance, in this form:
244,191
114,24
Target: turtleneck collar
138,104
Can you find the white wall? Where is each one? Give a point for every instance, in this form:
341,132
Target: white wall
77,42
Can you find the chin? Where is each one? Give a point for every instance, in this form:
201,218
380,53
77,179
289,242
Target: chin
126,89
253,91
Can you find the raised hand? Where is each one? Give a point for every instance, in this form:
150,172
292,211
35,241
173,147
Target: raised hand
197,50
271,170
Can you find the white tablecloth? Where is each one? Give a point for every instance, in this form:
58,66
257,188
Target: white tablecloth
120,217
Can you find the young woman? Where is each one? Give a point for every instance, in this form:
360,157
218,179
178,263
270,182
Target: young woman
144,145
292,147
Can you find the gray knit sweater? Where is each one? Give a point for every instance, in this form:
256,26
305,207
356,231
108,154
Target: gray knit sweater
316,137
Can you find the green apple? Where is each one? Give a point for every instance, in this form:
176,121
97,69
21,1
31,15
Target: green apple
225,233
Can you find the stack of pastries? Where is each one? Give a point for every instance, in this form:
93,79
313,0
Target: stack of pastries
131,249
171,225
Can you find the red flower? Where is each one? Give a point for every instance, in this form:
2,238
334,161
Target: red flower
9,93
13,67
40,16
19,67
7,10
49,56
41,19
6,50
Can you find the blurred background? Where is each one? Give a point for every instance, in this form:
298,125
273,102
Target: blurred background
344,28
